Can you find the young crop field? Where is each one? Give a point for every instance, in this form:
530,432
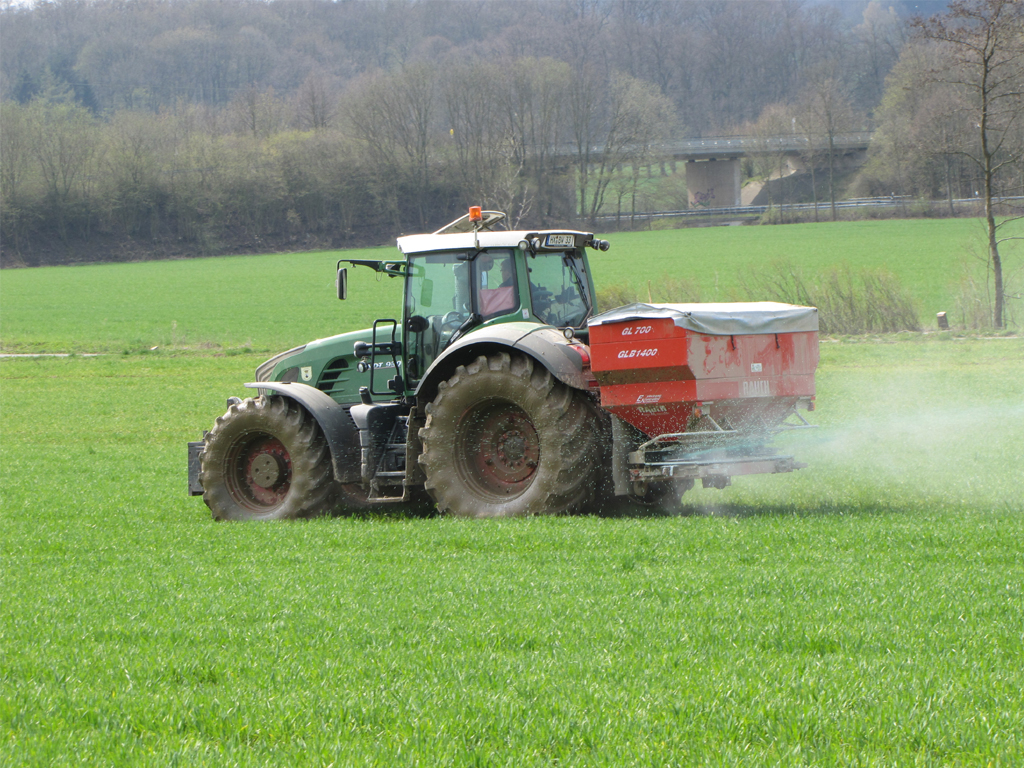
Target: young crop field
928,256
867,610
273,302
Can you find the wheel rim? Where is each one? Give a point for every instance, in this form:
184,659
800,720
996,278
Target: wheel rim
259,471
498,448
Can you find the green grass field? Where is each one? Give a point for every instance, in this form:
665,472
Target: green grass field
927,255
867,611
273,302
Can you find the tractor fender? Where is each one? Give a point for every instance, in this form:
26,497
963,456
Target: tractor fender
544,343
334,420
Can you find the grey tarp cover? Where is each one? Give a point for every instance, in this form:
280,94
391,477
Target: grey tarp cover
726,319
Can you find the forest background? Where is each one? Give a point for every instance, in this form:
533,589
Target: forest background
140,129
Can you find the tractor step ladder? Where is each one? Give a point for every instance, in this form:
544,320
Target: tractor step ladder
390,474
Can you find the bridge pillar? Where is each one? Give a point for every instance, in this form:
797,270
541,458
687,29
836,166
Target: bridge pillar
713,183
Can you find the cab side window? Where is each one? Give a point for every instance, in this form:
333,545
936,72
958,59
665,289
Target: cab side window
496,279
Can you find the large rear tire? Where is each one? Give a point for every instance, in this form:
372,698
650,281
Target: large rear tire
267,459
504,438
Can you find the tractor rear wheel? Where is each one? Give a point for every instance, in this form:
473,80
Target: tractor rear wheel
267,459
504,438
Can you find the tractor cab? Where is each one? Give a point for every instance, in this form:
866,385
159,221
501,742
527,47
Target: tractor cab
468,276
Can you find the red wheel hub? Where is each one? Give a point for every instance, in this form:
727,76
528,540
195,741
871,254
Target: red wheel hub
500,447
262,471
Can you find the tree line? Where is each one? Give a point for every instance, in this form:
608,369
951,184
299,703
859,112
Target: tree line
202,125
719,62
554,112
403,149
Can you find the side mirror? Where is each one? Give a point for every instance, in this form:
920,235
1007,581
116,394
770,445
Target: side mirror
342,283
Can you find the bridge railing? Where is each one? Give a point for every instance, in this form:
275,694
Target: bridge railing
745,144
893,201
736,146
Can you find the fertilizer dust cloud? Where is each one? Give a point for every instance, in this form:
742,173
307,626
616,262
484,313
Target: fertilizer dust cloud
898,445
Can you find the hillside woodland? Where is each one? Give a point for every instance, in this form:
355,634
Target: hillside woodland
142,128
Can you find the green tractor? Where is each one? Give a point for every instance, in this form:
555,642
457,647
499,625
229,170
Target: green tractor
478,398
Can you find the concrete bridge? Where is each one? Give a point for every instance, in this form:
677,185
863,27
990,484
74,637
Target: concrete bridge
713,164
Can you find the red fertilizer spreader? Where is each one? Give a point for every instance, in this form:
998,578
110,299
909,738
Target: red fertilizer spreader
702,389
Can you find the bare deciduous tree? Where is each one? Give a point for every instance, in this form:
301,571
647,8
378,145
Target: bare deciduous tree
15,157
771,158
614,124
477,136
315,103
131,160
394,117
64,145
828,108
982,42
534,98
258,112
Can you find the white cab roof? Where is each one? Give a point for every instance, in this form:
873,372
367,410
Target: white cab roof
461,241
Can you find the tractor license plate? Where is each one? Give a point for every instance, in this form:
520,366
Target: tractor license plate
560,241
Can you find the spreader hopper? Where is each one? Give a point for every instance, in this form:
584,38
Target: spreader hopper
707,381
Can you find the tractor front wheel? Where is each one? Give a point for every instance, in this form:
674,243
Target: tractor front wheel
267,459
504,438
